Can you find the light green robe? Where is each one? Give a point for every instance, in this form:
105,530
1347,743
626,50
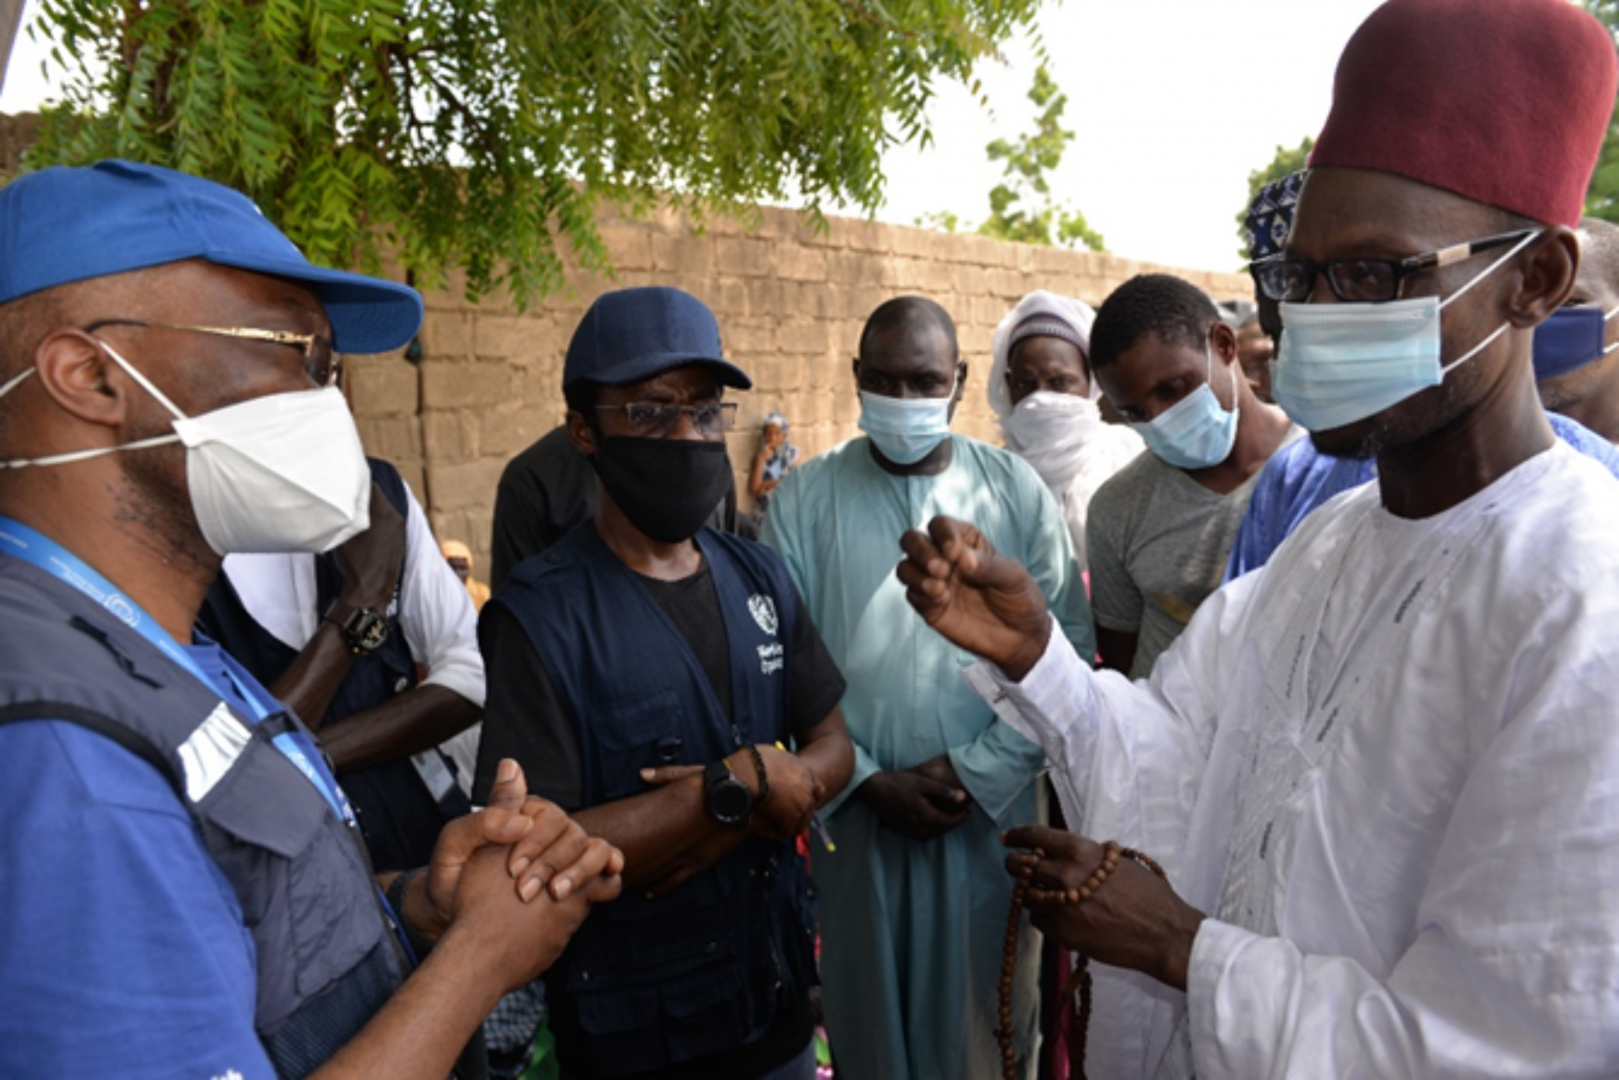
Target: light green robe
912,933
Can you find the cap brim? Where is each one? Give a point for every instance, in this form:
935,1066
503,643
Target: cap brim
368,315
644,367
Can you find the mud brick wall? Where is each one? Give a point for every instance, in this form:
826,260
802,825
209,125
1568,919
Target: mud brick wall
790,302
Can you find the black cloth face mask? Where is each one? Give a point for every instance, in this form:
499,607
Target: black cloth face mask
666,487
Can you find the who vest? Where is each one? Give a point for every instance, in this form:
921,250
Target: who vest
326,960
648,983
400,818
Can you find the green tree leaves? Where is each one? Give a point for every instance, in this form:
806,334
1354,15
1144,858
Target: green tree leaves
1602,197
1021,206
479,136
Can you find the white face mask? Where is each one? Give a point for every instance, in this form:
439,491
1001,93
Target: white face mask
283,472
1049,431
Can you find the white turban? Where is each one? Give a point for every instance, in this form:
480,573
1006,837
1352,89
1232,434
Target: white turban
1038,314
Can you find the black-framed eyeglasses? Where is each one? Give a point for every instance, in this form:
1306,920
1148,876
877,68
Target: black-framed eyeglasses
1363,280
324,365
658,419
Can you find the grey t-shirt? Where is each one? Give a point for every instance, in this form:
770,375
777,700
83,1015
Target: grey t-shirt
1158,545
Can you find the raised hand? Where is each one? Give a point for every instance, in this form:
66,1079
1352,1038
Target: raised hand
371,562
1134,920
973,595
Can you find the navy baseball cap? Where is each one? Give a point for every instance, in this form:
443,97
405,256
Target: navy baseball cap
634,334
62,224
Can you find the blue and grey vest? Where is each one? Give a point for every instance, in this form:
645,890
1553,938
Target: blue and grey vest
325,957
398,815
649,983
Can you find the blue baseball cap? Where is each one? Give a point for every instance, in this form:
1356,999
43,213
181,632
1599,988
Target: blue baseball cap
62,224
634,334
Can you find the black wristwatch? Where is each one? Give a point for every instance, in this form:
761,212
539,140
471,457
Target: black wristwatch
729,800
365,629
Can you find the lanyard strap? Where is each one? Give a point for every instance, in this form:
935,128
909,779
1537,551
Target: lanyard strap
38,550
41,551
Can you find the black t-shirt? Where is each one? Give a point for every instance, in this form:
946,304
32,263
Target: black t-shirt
525,720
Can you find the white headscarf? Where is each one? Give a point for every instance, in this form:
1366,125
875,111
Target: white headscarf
1075,315
1063,436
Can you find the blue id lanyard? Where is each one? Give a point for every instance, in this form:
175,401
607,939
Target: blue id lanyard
30,546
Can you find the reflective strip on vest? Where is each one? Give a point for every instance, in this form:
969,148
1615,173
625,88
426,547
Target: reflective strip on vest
209,752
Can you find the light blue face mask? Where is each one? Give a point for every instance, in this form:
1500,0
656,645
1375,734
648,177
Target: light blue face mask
905,430
1341,363
1195,432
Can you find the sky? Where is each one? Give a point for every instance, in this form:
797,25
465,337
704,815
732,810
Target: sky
1172,104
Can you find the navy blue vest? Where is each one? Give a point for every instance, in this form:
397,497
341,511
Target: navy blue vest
326,960
398,815
649,983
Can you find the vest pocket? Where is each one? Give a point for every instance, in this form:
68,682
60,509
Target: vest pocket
638,733
690,1001
305,892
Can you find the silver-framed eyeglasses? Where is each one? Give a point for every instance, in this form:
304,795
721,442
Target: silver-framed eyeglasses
1363,280
321,361
658,419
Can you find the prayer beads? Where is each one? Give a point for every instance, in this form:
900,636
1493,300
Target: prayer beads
1024,891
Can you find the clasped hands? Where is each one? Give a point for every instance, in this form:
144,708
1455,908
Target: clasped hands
518,878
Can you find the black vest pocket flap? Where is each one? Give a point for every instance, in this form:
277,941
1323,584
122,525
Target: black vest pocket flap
625,1010
688,996
639,722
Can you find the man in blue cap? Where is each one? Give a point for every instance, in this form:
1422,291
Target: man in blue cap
648,672
181,881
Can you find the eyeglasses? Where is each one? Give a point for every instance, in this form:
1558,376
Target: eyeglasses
1363,280
658,420
324,365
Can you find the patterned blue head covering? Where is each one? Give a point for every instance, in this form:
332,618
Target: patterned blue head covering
1270,215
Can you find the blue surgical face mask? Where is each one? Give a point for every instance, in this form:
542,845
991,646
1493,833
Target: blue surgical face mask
1195,432
1341,363
1570,339
905,429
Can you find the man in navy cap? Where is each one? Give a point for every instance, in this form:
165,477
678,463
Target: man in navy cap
183,891
1381,774
1576,368
648,672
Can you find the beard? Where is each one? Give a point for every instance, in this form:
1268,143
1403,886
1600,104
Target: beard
155,499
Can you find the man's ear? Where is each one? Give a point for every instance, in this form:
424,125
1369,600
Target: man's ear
582,434
83,379
1546,279
1223,340
961,380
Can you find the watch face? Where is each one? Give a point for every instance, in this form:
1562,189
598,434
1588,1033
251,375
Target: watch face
372,632
728,800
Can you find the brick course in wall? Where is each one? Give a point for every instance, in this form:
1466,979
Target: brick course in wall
790,303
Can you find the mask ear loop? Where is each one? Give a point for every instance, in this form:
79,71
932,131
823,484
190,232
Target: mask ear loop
145,384
7,386
1486,272
84,455
1493,267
